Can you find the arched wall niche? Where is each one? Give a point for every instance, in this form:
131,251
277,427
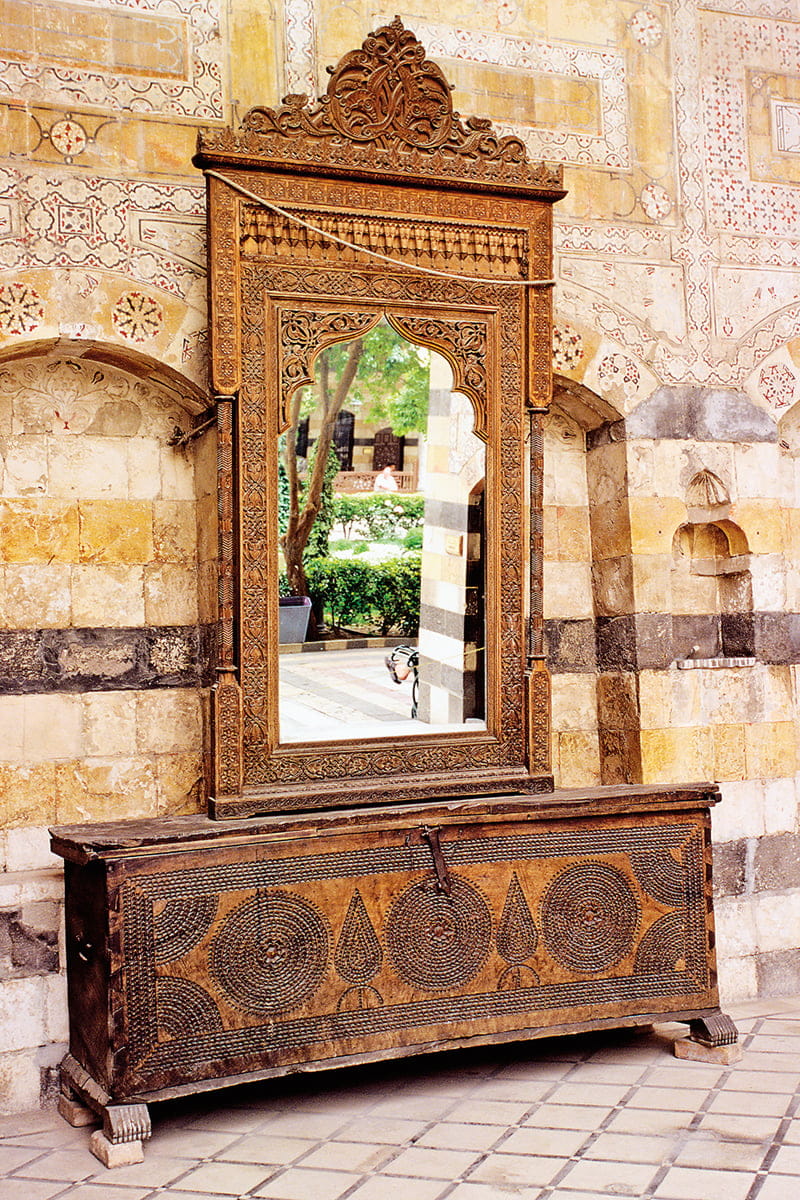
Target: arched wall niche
588,589
183,391
108,582
711,575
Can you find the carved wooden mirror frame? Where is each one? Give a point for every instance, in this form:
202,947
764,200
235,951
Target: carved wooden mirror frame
458,226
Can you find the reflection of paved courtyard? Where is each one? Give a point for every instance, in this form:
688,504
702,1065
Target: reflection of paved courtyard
332,694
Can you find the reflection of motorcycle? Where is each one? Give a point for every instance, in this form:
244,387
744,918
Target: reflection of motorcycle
400,664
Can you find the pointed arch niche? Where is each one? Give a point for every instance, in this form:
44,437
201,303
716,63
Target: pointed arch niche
588,590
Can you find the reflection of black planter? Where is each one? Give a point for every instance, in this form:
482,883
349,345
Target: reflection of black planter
293,615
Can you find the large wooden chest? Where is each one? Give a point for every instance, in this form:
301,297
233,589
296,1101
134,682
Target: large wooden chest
201,954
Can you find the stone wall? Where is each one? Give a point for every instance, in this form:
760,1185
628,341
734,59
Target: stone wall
673,625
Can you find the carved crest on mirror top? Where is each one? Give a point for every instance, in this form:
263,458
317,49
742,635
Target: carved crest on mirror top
382,163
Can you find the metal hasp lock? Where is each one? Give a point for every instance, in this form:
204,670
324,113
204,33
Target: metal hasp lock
425,834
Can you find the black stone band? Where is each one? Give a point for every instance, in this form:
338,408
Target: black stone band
653,641
105,660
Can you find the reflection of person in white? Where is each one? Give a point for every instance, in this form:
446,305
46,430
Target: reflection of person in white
385,481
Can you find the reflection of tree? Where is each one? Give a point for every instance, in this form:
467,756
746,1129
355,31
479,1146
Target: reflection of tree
380,373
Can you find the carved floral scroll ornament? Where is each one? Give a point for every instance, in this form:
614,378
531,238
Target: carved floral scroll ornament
389,107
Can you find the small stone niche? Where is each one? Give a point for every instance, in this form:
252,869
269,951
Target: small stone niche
711,572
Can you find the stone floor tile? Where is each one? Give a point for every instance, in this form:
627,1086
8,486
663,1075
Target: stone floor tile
516,1090
763,1081
299,1184
595,1094
669,1099
625,1179
535,1070
393,1131
773,1188
489,1112
169,1194
379,1187
786,1022
57,1133
513,1170
749,1103
71,1166
232,1120
786,1161
739,1129
756,1061
452,1135
686,1183
349,1156
486,1191
424,1162
558,1143
686,1075
410,1108
567,1116
722,1156
776,1044
266,1148
593,1072
305,1125
12,1157
107,1191
191,1143
30,1189
792,1135
643,1121
156,1171
623,1147
224,1178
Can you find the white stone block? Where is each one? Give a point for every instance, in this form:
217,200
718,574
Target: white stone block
757,470
93,468
568,590
109,722
778,694
177,474
25,471
56,1018
741,812
780,806
777,920
22,887
769,582
28,849
565,478
11,729
574,702
736,927
53,727
738,979
144,469
22,1012
19,1083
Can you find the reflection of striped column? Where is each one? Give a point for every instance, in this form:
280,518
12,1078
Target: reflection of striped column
451,608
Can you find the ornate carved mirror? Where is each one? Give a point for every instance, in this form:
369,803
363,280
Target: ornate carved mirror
379,214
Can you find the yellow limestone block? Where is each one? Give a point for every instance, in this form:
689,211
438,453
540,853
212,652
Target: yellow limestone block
116,531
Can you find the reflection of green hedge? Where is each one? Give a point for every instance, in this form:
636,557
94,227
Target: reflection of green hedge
383,595
377,516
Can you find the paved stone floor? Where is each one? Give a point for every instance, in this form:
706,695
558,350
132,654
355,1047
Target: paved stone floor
579,1118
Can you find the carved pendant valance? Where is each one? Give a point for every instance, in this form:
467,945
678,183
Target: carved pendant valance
387,112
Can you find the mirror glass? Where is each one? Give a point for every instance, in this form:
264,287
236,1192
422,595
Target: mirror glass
382,547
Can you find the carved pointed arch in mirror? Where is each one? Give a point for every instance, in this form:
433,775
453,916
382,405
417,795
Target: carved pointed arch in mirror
379,203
